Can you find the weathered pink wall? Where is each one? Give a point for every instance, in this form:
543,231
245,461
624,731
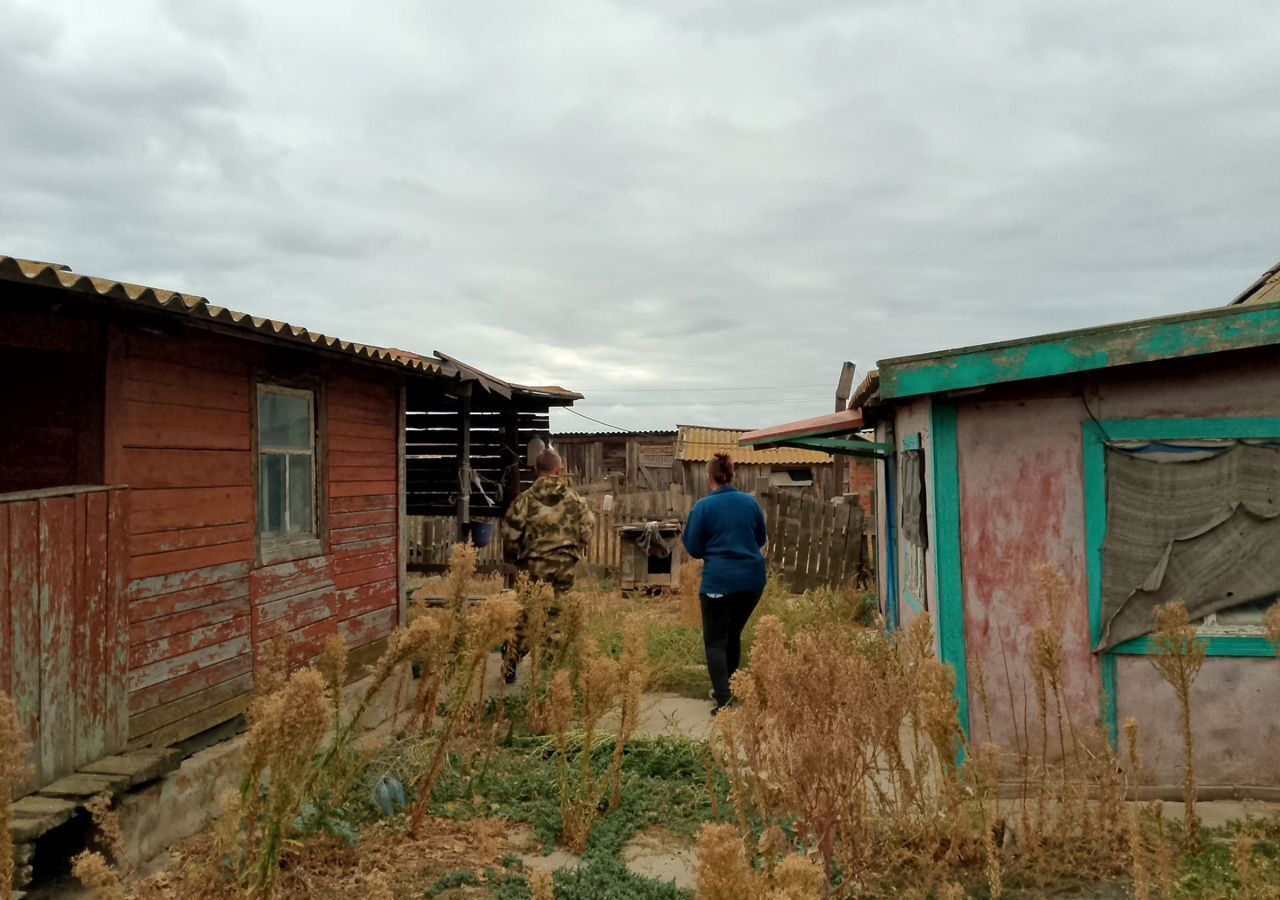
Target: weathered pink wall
1022,503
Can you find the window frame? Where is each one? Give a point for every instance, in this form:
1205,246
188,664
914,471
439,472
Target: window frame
1096,435
272,549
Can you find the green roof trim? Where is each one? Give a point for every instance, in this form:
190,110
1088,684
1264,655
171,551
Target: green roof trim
1068,352
837,447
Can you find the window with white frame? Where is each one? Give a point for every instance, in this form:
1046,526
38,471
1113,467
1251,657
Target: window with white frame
286,463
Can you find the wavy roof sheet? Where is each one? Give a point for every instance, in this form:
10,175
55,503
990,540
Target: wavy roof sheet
55,275
697,444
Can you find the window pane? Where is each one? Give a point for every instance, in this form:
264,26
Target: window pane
301,488
271,467
284,421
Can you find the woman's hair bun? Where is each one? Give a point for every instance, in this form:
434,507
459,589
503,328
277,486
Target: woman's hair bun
720,468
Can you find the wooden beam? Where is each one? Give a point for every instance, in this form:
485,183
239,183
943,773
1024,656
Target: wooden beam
1149,340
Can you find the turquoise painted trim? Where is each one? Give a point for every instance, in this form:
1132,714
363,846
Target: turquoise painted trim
1149,340
911,442
1217,645
1095,437
837,446
912,600
893,611
946,552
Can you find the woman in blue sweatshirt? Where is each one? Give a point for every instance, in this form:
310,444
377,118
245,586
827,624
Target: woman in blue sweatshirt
726,531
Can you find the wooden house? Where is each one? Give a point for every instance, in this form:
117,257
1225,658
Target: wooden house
1141,462
181,484
805,472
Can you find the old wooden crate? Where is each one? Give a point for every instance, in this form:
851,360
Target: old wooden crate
651,554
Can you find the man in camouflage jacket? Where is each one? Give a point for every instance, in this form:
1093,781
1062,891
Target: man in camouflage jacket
546,532
548,527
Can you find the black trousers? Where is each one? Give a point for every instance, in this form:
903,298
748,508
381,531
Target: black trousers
723,619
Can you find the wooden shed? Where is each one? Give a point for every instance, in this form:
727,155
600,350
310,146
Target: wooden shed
180,484
634,461
809,473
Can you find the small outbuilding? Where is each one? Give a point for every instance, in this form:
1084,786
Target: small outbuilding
1141,461
181,485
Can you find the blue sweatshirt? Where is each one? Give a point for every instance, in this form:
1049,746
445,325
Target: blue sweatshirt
726,530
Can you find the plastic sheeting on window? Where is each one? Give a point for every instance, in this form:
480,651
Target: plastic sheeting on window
1188,521
915,523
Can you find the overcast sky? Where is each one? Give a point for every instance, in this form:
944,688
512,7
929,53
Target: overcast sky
728,196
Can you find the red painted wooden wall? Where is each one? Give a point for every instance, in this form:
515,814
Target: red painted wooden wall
179,415
63,557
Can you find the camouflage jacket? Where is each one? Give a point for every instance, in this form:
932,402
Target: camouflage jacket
547,529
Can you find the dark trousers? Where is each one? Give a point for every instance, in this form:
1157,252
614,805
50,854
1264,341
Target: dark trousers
723,619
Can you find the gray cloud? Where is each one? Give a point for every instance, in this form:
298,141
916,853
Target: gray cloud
623,196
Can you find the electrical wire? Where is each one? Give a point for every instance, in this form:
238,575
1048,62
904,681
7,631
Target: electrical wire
673,390
570,409
708,402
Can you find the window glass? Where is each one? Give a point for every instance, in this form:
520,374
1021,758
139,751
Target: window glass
271,474
300,491
284,420
286,463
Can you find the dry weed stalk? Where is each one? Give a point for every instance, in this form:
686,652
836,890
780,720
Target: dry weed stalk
854,739
687,594
634,677
1271,625
96,874
13,765
1178,656
725,872
285,732
542,885
581,792
482,630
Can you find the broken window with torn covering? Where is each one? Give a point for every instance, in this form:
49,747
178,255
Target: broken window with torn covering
914,523
1190,521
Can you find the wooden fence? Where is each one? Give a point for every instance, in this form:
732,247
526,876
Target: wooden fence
811,543
431,538
814,544
64,625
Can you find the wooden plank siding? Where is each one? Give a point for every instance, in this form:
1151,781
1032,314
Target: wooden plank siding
201,606
62,559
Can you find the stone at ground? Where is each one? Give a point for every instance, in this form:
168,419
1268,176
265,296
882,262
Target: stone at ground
139,766
35,815
83,786
521,839
670,715
662,856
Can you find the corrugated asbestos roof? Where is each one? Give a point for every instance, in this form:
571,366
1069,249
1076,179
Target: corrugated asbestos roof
61,277
696,444
1265,290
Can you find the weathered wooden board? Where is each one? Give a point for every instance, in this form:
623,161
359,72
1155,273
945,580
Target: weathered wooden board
59,591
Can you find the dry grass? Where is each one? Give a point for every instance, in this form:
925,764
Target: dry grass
13,765
1178,656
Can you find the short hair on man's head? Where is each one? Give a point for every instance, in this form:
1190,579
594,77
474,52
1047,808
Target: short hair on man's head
548,462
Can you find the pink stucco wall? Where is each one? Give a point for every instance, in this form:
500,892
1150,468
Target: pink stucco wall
1022,504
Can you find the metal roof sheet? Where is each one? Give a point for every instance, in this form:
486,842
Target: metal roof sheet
58,276
844,422
697,444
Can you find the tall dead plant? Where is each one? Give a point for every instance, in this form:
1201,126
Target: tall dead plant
1178,655
13,766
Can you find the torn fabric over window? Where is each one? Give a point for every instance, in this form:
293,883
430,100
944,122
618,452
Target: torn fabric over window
915,526
1188,522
